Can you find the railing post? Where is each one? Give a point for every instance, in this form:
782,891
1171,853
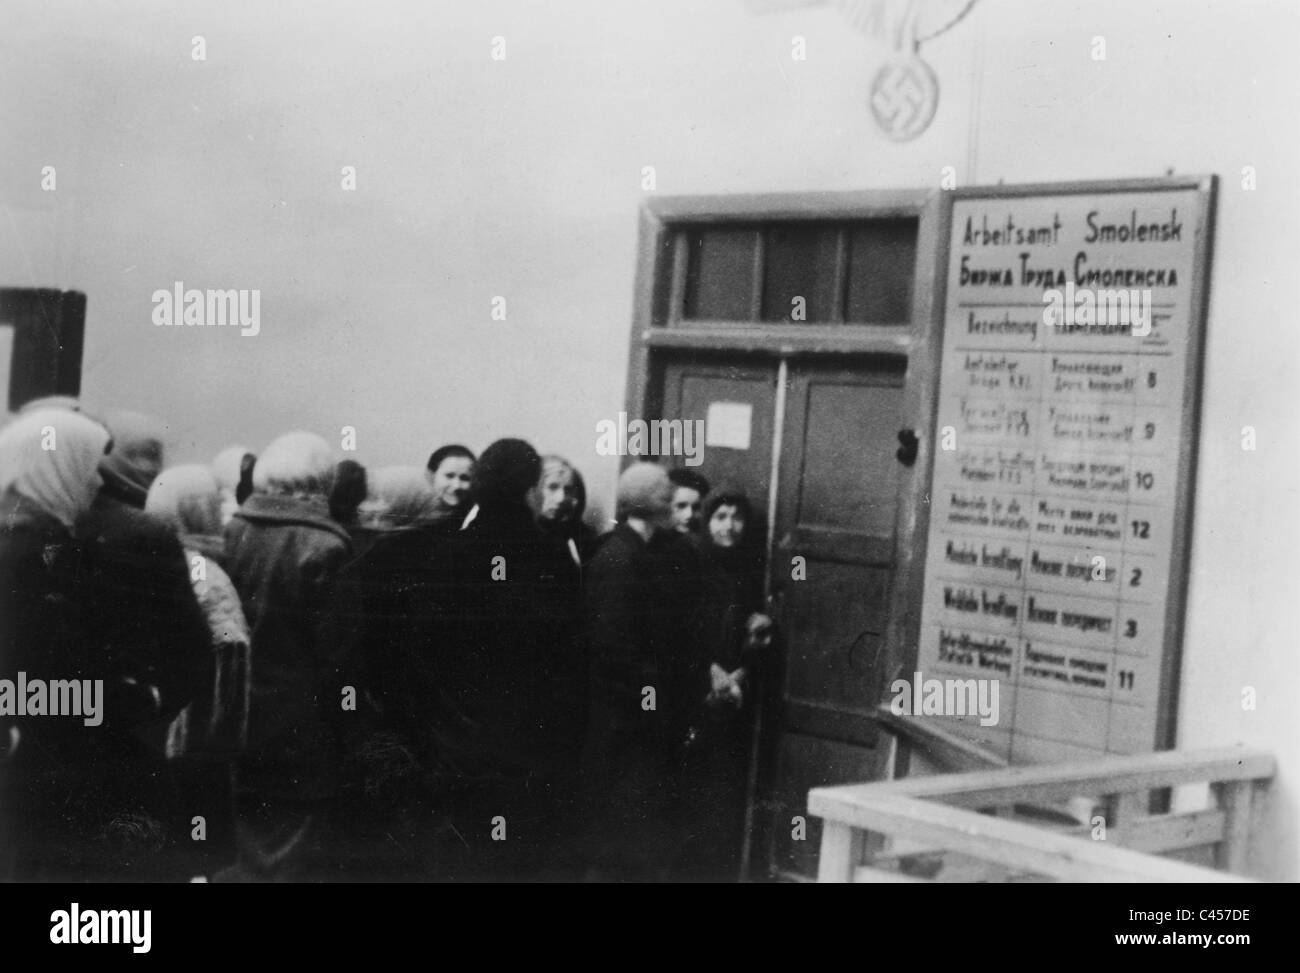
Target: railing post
1235,801
841,852
1120,811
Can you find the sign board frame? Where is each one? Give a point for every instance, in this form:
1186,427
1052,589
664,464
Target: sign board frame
906,616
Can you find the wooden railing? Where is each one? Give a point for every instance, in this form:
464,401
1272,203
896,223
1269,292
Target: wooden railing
972,826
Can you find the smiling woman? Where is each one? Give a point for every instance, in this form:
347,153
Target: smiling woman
450,470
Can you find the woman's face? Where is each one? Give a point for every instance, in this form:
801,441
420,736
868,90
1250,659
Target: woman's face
451,481
686,509
559,499
727,525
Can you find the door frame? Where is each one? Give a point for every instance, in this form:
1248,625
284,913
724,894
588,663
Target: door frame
659,293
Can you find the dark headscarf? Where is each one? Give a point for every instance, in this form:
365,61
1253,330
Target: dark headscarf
348,492
731,497
504,474
744,559
245,488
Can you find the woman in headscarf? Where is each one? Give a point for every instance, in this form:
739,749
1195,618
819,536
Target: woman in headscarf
561,502
136,457
734,635
189,500
386,598
149,643
214,727
140,597
396,521
53,777
506,651
283,552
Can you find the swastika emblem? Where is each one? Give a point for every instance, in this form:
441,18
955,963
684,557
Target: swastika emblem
904,96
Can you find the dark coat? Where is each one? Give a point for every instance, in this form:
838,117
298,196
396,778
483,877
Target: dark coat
389,616
283,554
387,610
717,764
731,590
42,592
570,536
641,600
80,802
142,608
41,634
513,663
466,645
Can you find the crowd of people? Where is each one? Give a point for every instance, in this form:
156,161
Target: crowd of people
315,670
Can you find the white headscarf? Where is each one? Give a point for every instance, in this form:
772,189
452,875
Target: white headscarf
296,464
397,496
188,498
51,457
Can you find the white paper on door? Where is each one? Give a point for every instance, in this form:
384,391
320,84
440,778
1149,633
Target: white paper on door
727,425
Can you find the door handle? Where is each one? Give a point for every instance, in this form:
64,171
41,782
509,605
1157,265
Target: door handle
909,444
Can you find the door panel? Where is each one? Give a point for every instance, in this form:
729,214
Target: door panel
836,508
840,451
689,389
837,621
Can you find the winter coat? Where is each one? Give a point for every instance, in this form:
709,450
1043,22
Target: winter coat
511,658
717,762
216,721
141,608
72,794
646,679
282,554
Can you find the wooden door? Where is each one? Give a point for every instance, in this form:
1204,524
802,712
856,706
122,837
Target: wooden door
831,572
